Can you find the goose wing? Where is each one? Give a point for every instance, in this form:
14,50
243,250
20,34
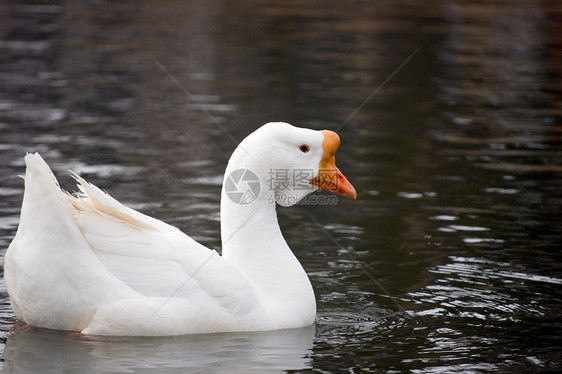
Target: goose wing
154,258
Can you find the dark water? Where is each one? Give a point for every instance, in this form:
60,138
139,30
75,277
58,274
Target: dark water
450,114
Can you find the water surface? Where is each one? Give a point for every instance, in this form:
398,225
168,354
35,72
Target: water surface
450,118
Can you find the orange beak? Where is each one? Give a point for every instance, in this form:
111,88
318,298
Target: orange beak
329,177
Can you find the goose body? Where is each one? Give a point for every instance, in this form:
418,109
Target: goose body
87,263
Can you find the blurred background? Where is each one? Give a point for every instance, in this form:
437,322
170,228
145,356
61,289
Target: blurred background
450,115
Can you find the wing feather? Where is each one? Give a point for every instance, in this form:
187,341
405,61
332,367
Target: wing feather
154,258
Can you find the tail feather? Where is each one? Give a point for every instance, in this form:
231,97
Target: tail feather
42,190
44,267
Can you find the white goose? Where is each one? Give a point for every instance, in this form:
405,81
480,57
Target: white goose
87,263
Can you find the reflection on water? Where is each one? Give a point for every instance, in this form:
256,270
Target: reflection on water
449,261
33,350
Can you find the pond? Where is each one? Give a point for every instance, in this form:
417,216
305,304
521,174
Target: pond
450,115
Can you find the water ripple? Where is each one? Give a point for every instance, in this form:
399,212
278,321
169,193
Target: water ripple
464,289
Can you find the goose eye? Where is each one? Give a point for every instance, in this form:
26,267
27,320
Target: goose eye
304,148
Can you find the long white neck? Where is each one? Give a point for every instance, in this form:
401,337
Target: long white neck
252,241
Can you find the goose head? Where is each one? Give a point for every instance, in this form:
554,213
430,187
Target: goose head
282,164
